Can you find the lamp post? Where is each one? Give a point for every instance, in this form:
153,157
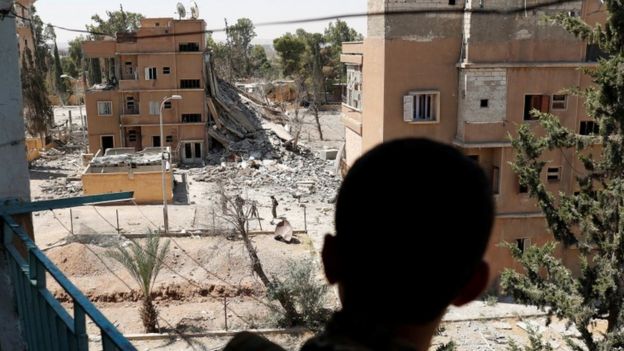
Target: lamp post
164,161
82,121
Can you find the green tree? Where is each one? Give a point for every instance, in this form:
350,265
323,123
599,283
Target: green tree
37,110
221,57
290,48
144,262
117,21
336,34
592,219
259,63
38,113
240,36
69,67
60,84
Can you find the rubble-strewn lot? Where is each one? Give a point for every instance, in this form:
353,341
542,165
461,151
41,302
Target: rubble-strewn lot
190,296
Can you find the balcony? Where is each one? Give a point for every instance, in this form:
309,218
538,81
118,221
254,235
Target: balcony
134,110
129,81
485,133
45,323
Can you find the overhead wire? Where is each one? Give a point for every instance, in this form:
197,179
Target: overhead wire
478,11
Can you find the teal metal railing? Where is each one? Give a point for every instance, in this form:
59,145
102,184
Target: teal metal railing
46,325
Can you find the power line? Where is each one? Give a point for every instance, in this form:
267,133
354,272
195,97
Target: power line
478,11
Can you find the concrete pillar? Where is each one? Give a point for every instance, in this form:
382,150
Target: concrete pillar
15,180
14,177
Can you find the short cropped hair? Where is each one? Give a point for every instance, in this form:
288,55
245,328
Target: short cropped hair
413,219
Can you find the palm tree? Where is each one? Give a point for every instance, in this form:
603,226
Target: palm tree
143,262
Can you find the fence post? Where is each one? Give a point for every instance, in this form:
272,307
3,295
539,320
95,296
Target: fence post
225,311
71,221
117,215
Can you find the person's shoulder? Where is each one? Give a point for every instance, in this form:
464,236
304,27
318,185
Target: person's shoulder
250,341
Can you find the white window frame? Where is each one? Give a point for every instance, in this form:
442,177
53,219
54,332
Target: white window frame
101,103
411,104
151,73
154,108
564,102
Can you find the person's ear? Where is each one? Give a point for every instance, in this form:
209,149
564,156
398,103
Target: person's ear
475,285
330,259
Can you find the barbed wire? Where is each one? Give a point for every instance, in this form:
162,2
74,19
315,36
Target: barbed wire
187,279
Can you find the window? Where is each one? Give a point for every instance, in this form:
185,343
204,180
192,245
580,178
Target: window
354,87
495,180
451,2
169,139
522,244
150,73
166,70
537,102
522,189
484,103
594,53
189,84
156,141
589,128
553,174
132,107
191,117
105,108
154,108
421,107
559,102
167,104
188,47
132,136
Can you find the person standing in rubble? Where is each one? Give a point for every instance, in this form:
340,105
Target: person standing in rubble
274,205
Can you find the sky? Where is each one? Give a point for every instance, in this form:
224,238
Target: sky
77,13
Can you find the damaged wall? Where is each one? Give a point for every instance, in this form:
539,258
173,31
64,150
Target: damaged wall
483,95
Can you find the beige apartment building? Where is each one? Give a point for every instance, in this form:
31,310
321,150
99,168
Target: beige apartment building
470,80
139,70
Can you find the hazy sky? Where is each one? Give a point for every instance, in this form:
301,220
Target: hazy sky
77,13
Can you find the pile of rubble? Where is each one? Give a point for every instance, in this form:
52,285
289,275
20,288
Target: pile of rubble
300,171
60,168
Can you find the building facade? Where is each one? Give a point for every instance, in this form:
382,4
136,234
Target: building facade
138,71
470,79
25,38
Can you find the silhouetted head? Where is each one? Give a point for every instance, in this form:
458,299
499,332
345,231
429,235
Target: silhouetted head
413,219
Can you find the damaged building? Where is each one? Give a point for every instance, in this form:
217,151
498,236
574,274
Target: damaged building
138,70
470,79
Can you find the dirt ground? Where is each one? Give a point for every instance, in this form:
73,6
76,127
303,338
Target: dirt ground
203,272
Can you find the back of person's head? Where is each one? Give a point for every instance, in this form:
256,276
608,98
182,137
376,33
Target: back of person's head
413,219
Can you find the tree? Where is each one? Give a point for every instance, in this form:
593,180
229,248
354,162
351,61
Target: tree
59,82
336,34
117,21
221,57
38,113
240,36
238,211
143,262
590,220
259,63
290,49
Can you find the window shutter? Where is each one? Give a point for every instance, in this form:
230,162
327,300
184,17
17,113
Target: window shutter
408,108
147,73
545,104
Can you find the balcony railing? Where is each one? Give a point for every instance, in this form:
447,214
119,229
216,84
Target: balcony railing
130,76
45,323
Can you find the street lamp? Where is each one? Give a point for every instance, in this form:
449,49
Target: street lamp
82,122
164,161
